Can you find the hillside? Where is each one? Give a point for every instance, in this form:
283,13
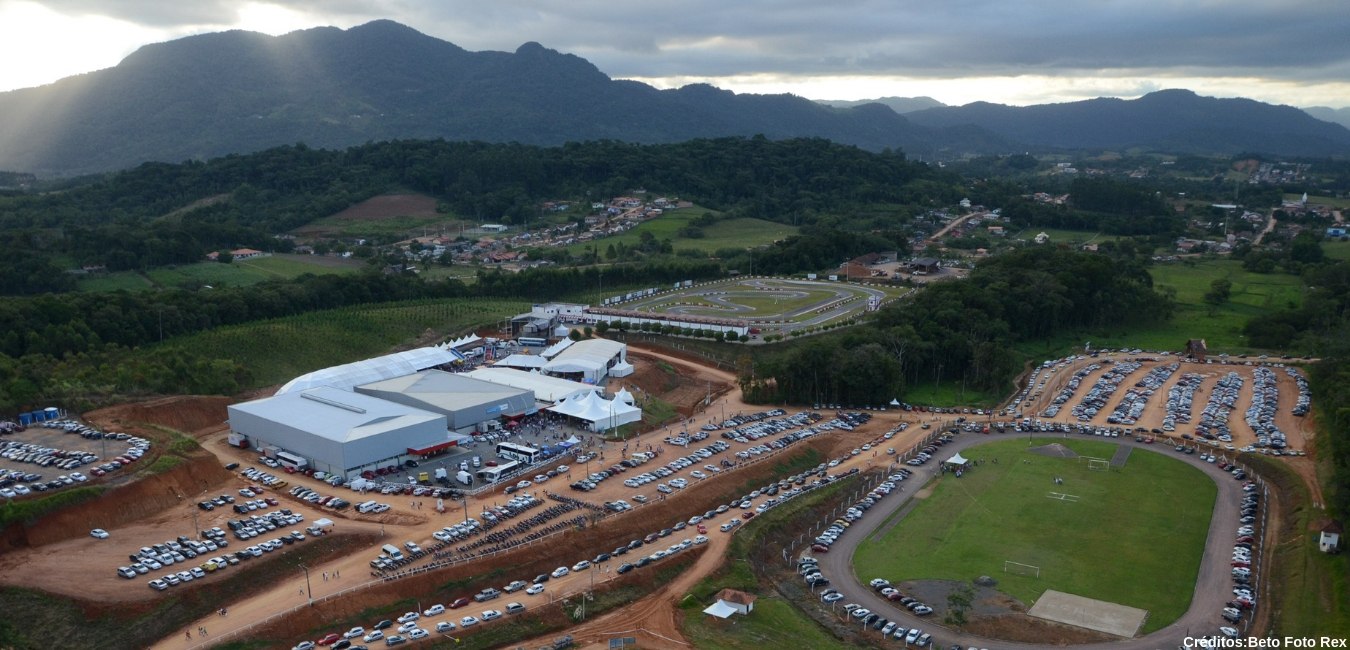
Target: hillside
232,92
1169,120
900,105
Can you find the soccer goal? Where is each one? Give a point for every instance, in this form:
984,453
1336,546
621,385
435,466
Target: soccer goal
1098,464
1021,569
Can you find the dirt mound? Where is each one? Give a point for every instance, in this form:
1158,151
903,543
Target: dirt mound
141,498
186,413
670,383
1054,450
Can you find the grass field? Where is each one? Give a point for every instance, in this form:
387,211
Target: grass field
1336,250
1320,200
235,274
1135,537
1058,236
949,393
279,349
733,233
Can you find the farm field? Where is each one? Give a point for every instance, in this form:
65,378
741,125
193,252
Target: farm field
389,215
279,349
1058,236
234,274
734,233
1320,200
1105,545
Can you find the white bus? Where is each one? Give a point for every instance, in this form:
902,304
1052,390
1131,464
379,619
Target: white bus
522,453
292,461
493,474
531,342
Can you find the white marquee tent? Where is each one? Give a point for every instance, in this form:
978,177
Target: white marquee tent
598,411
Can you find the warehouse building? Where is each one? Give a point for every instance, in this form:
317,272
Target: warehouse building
468,404
398,364
340,431
591,361
547,390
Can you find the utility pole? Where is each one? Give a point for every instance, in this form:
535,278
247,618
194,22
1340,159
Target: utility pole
308,592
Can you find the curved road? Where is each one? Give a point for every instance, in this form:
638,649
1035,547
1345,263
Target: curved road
1213,586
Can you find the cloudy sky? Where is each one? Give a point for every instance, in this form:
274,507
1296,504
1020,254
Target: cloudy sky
1293,52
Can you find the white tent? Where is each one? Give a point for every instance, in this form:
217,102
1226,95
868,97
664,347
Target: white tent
624,396
720,609
895,402
621,369
958,460
526,361
598,411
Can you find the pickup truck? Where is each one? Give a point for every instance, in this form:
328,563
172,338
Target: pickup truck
487,594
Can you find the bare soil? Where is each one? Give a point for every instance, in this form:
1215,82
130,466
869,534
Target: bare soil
388,206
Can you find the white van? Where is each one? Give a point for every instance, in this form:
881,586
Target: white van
393,552
368,506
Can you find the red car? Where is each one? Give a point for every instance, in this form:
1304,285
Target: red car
702,530
820,548
748,516
330,639
459,602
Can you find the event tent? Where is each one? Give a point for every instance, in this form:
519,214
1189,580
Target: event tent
598,411
958,460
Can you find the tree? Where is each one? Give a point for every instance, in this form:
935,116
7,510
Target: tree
588,332
958,601
602,327
575,335
225,257
1219,291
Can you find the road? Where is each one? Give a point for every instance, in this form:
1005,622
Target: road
935,237
1213,584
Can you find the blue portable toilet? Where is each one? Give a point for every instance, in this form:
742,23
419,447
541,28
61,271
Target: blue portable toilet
38,416
52,412
25,419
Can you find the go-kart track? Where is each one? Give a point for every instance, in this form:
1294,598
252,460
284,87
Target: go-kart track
769,304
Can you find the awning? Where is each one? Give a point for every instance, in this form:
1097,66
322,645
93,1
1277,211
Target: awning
433,448
958,459
720,609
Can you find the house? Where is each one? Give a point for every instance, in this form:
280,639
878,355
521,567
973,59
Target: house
246,254
925,265
995,231
1329,541
1338,232
1041,238
1197,349
731,601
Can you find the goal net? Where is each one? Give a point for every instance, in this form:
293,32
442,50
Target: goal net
1021,569
1097,464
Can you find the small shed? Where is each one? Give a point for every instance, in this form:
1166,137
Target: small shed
738,601
1329,541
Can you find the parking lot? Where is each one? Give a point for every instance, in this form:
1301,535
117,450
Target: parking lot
58,454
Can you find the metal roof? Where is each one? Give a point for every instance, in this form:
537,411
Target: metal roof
446,390
545,388
337,415
366,371
589,355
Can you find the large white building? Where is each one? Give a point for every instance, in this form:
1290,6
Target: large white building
591,360
468,403
339,431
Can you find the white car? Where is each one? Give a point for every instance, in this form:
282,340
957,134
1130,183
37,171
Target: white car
410,616
535,589
560,572
700,539
434,610
354,632
582,565
491,614
407,627
417,633
98,533
467,621
445,626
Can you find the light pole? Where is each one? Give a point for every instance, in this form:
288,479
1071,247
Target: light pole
308,592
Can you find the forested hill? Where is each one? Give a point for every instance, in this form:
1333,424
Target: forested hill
209,95
1169,120
117,222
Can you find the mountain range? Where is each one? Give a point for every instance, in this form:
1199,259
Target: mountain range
231,92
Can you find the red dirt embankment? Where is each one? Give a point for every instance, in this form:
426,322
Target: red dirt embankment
187,413
142,498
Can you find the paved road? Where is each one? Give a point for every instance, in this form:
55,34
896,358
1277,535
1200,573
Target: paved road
1213,584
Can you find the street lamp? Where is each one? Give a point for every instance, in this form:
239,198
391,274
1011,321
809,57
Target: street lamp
308,592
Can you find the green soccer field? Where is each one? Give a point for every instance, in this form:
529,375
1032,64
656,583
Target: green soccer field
1132,537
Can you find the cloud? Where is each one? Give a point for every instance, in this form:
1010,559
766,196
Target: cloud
1296,40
